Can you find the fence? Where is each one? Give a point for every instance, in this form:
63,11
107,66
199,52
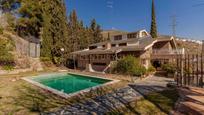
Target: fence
189,70
29,46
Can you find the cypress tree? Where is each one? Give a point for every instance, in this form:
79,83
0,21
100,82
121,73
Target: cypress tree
46,37
153,23
55,32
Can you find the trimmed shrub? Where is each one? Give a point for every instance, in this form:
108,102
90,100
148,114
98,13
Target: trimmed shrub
129,65
169,68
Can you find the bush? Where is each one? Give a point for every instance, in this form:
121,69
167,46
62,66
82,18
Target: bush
169,68
11,21
129,65
151,69
45,59
1,30
8,67
6,58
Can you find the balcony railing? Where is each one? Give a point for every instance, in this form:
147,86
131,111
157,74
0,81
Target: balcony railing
167,51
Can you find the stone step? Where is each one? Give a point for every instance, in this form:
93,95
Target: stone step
197,90
197,99
191,108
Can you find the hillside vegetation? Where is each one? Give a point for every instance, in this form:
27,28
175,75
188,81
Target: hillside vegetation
190,47
48,21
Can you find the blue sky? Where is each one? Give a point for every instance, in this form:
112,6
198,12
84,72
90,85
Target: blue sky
132,15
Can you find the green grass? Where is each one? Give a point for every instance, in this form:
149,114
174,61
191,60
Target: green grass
22,98
164,100
139,107
156,103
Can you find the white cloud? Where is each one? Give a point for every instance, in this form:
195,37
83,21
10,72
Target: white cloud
113,28
109,4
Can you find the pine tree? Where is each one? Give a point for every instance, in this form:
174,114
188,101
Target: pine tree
153,23
7,6
73,26
30,22
96,32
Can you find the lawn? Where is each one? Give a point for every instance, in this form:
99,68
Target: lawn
156,103
165,100
140,107
20,97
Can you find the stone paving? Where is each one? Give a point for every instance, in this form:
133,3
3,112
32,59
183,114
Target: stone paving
119,98
151,84
101,104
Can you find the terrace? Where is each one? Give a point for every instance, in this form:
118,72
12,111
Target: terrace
166,53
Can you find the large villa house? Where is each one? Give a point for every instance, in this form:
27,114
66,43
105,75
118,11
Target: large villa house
151,51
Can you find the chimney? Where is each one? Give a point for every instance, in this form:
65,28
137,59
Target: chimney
108,46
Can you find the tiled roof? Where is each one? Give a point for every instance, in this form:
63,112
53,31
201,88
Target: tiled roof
108,51
134,40
144,44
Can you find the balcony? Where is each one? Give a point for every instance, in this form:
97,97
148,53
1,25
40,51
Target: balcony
166,53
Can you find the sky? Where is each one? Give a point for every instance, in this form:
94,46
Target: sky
133,15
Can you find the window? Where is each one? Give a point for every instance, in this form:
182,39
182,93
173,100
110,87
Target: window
123,44
144,34
113,45
95,57
133,35
118,37
83,57
92,47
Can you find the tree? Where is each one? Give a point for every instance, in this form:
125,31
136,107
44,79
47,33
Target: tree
55,31
80,37
30,22
129,65
6,57
9,5
74,27
96,32
153,23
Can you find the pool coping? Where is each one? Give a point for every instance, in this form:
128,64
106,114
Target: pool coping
63,94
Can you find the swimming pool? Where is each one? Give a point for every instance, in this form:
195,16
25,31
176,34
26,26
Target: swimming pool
68,84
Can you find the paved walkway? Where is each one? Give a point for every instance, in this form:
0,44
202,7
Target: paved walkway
151,84
119,98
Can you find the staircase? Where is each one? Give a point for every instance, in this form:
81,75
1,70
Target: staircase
192,101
